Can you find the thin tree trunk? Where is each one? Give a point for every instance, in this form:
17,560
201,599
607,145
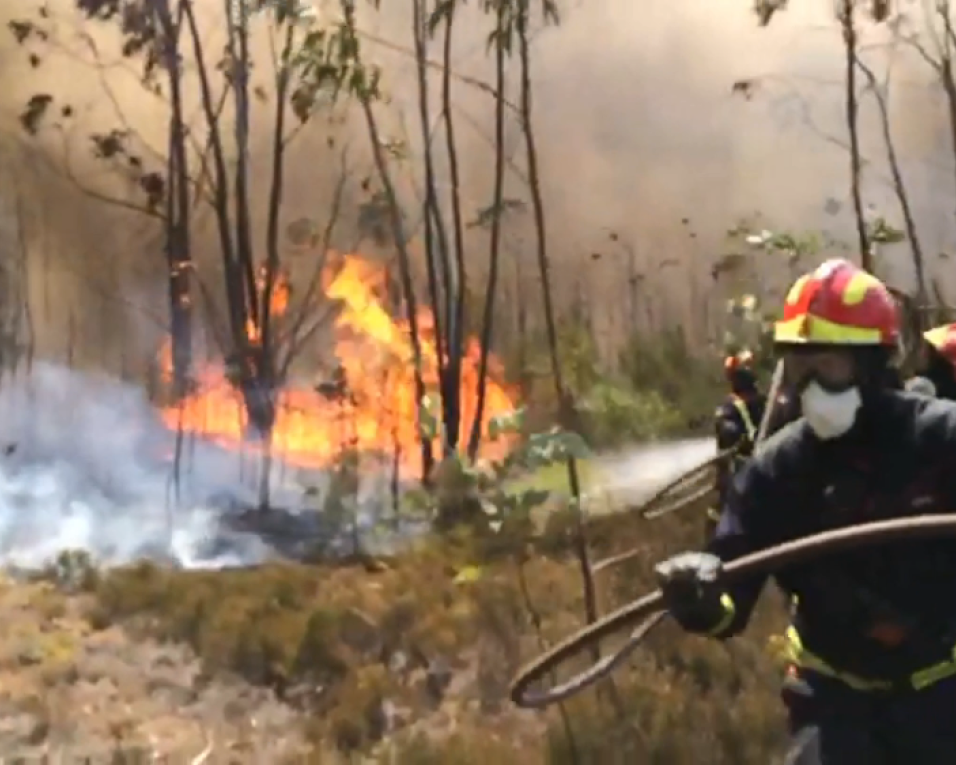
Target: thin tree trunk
455,322
436,239
238,46
945,68
266,368
220,200
568,415
487,327
590,596
852,114
899,186
177,223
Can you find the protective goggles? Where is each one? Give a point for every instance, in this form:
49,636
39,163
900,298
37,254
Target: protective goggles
833,370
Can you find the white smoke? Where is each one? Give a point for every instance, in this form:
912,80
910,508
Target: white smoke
85,464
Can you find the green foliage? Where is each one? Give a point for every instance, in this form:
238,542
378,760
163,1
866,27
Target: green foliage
880,231
687,380
72,571
482,496
618,415
328,61
614,407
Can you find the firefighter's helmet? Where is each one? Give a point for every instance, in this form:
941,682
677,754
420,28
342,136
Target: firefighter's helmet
740,361
943,340
838,304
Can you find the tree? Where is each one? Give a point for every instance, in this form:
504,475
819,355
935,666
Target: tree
314,65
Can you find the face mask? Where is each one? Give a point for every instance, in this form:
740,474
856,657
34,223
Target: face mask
830,415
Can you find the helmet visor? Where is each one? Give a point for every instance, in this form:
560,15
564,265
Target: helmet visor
832,369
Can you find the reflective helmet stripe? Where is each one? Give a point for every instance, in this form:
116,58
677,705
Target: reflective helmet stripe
811,329
943,339
938,337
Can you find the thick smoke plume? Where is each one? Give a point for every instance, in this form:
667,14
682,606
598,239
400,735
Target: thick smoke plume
640,132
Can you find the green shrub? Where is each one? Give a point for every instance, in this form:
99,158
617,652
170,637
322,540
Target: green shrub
613,415
688,380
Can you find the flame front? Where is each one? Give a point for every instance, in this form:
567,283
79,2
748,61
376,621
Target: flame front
369,404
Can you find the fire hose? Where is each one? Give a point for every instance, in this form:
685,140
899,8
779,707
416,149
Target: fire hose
647,612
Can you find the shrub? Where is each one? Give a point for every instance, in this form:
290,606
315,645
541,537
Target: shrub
347,644
614,415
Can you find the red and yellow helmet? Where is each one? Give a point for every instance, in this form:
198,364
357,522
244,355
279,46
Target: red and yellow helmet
838,304
943,340
742,360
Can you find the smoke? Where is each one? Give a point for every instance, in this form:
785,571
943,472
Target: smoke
87,466
638,130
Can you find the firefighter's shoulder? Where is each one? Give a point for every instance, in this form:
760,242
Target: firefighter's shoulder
726,409
920,385
934,418
782,451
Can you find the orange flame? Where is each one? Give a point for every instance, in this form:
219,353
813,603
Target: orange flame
369,405
278,301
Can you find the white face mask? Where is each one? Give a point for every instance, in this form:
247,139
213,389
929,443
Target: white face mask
830,415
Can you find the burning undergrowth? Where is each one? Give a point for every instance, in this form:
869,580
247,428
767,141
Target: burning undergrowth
368,404
92,464
86,465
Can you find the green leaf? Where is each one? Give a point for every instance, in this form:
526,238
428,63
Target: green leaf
529,499
543,449
884,233
506,423
417,499
442,14
429,426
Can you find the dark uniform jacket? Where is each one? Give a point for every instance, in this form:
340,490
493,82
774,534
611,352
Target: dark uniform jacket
736,422
899,460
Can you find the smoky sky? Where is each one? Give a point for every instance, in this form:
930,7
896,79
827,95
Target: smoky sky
637,122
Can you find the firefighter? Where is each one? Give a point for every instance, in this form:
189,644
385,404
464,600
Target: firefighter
871,650
735,424
937,375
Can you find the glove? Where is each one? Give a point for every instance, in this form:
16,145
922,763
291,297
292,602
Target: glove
693,591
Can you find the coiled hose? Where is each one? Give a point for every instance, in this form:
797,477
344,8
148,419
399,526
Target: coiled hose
647,612
701,474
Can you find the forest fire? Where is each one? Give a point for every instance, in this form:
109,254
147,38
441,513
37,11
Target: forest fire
369,402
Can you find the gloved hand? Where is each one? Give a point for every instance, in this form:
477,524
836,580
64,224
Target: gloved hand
692,586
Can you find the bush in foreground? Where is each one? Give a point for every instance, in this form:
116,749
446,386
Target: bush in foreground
408,660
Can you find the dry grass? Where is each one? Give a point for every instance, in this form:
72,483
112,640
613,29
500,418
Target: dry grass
73,692
407,662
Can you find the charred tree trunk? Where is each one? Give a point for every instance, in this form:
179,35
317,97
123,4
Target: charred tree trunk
487,329
255,371
455,319
436,237
177,224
